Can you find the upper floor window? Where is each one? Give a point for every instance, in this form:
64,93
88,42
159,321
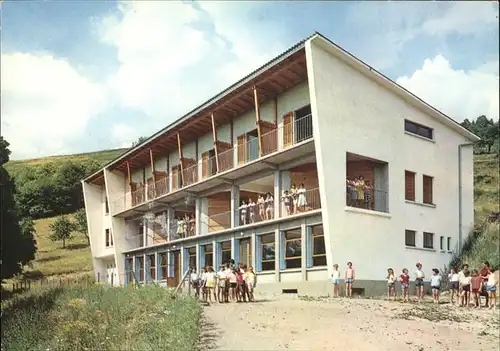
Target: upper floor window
293,248
106,205
268,252
410,237
428,240
419,129
427,190
409,186
109,238
318,246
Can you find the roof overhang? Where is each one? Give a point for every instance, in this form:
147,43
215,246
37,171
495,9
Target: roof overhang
389,84
290,57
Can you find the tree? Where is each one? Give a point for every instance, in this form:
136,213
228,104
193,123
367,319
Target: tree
17,246
28,233
81,223
139,141
487,130
61,229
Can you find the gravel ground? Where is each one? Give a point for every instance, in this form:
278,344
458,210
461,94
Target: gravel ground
281,323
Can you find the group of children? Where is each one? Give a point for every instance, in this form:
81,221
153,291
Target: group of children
265,207
359,192
461,284
465,285
186,226
294,200
230,283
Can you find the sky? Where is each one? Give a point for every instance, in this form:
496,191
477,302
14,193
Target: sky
81,76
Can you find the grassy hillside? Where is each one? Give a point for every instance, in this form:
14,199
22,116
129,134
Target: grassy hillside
102,157
52,260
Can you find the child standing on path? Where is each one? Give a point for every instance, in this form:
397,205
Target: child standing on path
404,279
476,283
454,279
391,284
492,288
336,280
436,284
349,277
419,282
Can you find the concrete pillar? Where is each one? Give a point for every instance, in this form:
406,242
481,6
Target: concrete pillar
198,257
204,216
285,184
170,214
198,217
277,194
235,204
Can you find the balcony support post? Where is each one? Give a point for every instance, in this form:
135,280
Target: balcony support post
214,134
235,204
153,171
257,117
181,158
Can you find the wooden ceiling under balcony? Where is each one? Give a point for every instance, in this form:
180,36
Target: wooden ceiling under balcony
278,78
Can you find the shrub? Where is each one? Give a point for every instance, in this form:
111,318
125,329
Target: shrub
99,318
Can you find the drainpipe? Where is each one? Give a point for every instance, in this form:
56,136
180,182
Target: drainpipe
460,243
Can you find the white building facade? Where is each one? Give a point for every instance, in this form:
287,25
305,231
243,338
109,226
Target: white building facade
315,116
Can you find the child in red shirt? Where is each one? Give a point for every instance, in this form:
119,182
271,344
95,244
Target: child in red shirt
404,279
476,285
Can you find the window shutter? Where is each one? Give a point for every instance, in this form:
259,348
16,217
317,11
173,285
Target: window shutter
241,148
258,253
170,264
409,186
158,266
202,257
236,251
427,189
287,129
282,251
146,267
309,247
127,269
204,164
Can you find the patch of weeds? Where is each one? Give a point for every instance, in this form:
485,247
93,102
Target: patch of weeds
431,313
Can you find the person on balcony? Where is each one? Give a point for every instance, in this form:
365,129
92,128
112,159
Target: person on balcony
251,210
301,198
294,195
360,188
269,206
243,213
368,194
286,198
262,207
191,224
180,227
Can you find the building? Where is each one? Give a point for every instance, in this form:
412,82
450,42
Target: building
314,115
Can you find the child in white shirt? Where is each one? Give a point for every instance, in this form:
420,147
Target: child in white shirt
336,280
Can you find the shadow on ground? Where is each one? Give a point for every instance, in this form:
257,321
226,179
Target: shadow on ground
209,334
76,246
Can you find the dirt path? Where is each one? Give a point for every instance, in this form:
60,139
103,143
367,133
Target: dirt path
341,324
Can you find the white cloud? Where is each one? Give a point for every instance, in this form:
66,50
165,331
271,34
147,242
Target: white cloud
464,18
170,62
45,103
388,26
457,93
123,135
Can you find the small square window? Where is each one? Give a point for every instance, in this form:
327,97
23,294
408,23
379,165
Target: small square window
410,238
428,240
